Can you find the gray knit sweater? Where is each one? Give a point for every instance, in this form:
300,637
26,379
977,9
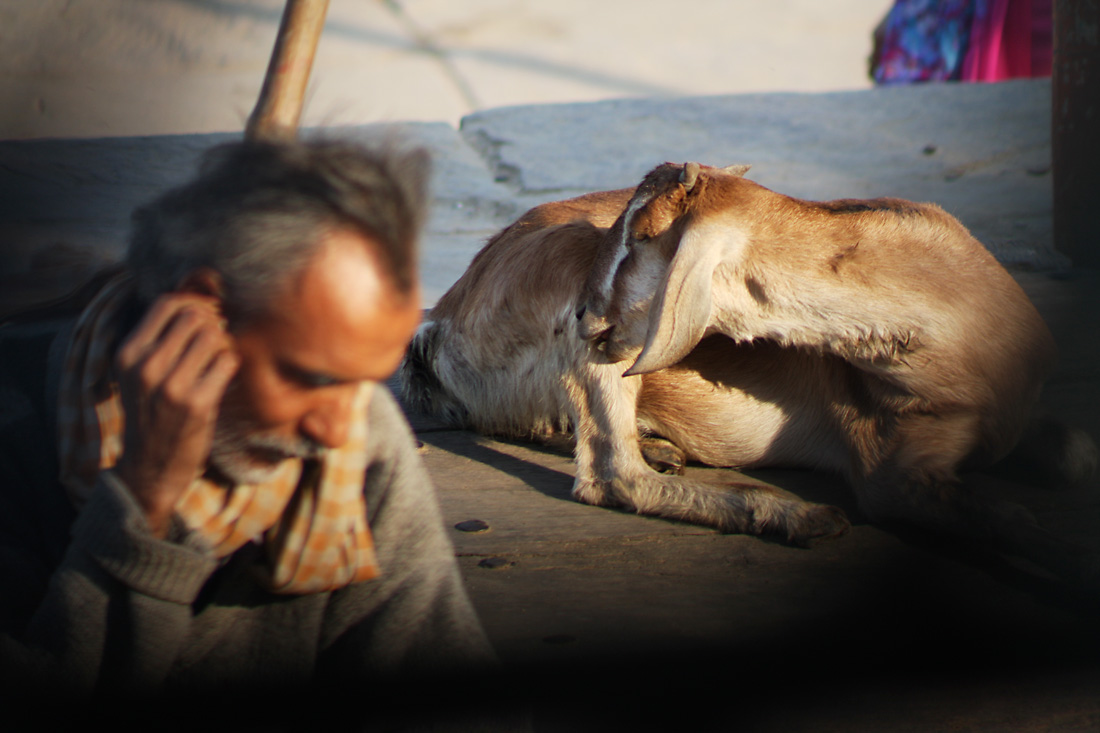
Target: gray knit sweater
92,601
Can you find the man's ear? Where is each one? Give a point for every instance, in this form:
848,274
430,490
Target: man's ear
203,281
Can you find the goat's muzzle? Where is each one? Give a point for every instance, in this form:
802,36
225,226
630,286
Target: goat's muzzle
596,333
591,327
599,342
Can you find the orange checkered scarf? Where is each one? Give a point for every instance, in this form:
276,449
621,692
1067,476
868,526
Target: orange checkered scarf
311,517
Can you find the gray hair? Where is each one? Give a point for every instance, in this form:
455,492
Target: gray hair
257,210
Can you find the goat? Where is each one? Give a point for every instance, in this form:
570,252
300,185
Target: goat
872,338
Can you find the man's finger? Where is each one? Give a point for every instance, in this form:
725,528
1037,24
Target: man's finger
215,380
187,375
157,323
162,359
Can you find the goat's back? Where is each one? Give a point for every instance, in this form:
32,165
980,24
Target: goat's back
490,353
534,266
929,307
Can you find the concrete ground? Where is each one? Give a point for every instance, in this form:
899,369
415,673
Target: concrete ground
91,68
885,628
609,621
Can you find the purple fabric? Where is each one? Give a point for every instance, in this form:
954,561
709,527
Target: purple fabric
971,40
924,40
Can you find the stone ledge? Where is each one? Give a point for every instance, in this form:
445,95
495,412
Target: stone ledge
980,151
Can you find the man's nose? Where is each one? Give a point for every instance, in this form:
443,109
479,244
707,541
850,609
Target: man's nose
330,422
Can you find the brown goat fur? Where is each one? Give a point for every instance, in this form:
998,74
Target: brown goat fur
873,338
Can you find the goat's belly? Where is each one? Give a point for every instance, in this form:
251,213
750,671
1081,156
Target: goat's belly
748,405
735,429
730,429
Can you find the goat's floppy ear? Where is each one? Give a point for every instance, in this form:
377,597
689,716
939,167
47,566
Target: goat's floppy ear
680,312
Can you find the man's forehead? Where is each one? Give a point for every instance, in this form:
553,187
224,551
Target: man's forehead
341,311
344,272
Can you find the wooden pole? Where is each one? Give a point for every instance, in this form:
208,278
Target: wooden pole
279,107
1075,130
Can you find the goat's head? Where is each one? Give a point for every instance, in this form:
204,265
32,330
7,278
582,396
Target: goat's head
649,289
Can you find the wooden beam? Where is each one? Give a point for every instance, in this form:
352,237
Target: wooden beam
1075,130
279,107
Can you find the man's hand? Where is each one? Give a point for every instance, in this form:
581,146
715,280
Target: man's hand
173,371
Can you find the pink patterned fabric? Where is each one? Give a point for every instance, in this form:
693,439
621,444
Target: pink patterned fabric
963,40
1009,39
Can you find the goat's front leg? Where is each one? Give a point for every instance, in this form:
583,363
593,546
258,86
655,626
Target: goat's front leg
611,471
606,432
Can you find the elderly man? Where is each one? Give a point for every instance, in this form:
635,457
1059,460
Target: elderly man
204,485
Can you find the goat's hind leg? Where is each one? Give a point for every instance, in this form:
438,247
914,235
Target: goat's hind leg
973,511
917,484
663,456
1051,454
741,507
611,471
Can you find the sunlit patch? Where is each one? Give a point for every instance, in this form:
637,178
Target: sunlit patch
623,248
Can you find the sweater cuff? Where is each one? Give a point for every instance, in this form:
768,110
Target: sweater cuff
112,530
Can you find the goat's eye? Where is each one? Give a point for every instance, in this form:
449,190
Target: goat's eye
638,237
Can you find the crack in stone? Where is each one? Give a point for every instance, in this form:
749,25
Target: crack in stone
489,149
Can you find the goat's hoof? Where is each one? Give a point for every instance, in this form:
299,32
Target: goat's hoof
819,522
594,493
663,456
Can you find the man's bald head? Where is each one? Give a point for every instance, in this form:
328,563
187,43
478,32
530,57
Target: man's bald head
257,212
